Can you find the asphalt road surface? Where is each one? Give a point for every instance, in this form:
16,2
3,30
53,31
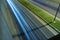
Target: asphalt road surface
30,25
42,33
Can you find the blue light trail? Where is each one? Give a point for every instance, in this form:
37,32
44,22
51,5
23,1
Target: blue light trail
20,20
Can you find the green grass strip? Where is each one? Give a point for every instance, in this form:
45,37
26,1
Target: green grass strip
41,13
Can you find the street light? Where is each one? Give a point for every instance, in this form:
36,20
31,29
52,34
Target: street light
56,13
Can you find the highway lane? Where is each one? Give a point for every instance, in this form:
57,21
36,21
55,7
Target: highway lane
56,1
37,17
41,14
19,18
6,35
38,25
28,18
26,27
47,5
9,26
40,33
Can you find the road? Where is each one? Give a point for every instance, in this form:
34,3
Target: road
9,27
29,23
33,27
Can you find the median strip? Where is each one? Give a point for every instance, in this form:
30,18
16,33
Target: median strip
41,13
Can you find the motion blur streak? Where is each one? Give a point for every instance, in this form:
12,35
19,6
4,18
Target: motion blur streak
17,14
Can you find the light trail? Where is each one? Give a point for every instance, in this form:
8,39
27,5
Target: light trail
24,19
17,14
